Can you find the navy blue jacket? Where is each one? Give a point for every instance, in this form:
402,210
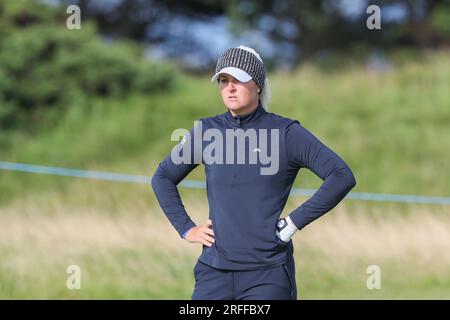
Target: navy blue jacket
244,205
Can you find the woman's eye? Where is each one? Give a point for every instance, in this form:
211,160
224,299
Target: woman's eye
223,81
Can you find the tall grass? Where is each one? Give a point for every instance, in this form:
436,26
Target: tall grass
135,253
392,127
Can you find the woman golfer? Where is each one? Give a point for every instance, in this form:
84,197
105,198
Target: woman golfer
251,158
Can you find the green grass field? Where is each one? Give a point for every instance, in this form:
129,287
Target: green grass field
392,128
134,253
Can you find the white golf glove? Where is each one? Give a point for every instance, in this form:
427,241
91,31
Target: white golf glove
285,229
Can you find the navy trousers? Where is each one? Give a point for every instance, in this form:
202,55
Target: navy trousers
275,283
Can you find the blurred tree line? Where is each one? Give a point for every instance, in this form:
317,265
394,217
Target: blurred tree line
305,27
46,68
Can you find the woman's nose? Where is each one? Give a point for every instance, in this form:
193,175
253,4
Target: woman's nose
231,86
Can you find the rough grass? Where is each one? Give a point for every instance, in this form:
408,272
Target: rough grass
390,127
136,254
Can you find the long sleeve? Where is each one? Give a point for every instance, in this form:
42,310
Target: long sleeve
307,151
164,183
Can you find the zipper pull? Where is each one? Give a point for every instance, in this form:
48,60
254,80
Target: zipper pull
238,121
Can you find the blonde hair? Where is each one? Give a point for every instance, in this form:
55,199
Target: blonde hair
265,96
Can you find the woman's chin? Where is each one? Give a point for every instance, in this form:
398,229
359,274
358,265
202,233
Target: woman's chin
234,105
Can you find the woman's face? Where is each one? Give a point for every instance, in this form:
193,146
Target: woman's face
240,97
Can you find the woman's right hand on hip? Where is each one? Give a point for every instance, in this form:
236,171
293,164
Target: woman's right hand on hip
201,234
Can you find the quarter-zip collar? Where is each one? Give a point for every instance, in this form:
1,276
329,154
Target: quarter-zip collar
244,121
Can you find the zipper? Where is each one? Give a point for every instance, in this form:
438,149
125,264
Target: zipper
235,166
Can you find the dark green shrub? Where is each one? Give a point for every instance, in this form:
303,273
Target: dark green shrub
43,66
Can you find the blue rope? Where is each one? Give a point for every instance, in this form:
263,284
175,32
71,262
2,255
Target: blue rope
198,184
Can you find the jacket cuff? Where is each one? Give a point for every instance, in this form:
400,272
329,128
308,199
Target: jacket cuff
186,229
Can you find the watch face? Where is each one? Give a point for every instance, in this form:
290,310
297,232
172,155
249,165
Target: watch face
281,223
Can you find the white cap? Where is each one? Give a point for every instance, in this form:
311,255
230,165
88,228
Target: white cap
239,74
